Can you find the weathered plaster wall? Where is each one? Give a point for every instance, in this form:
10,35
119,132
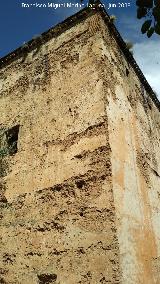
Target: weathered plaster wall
57,209
83,199
134,137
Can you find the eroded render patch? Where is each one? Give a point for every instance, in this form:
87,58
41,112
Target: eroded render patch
66,232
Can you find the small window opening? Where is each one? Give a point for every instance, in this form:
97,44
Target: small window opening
12,139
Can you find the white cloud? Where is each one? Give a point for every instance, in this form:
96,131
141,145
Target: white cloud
147,56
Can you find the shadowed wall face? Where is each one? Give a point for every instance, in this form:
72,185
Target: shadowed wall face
58,216
80,193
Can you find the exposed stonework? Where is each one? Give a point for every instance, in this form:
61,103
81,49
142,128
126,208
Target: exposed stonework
80,172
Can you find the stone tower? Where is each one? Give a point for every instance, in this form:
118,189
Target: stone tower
79,160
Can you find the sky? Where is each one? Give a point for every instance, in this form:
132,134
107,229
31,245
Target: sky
19,24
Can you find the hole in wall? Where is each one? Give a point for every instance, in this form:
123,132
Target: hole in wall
79,156
103,177
80,183
127,72
12,139
46,278
150,107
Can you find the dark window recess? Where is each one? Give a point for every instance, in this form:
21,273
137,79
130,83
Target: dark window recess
12,139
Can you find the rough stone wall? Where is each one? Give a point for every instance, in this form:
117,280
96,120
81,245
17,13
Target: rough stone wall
57,208
134,138
80,198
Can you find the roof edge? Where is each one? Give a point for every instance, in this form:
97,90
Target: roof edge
46,36
128,55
